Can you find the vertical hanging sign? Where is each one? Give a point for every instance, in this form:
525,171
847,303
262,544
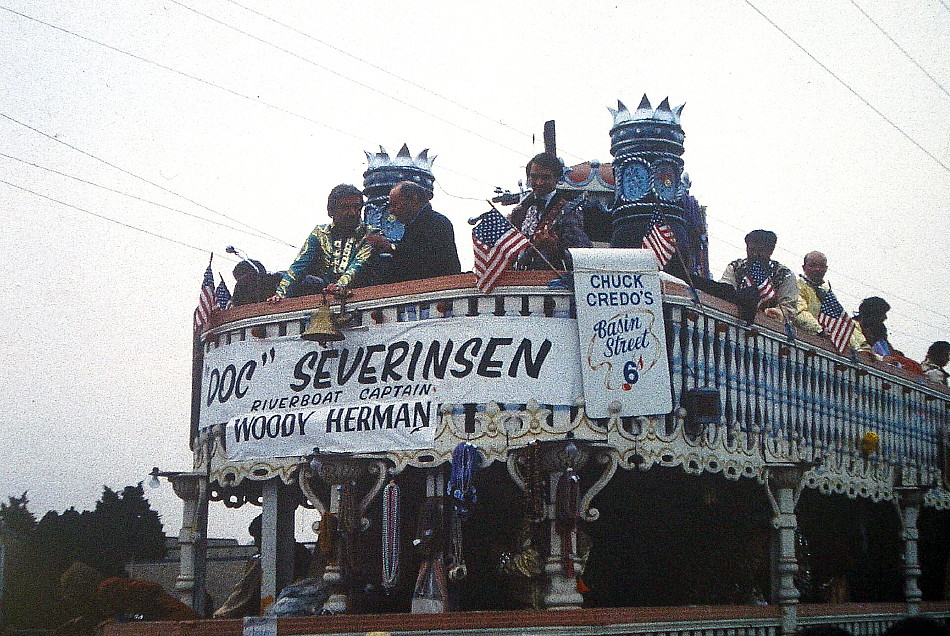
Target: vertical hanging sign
621,332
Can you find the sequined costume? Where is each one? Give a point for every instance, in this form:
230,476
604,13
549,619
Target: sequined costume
809,305
783,282
331,257
561,219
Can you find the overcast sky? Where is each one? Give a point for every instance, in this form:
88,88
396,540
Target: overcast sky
138,137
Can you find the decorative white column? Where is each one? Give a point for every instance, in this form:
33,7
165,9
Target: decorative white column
562,585
277,539
338,472
192,489
783,485
908,504
557,457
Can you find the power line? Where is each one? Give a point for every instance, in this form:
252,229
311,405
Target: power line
383,70
894,42
207,83
187,75
845,84
840,275
392,74
454,196
132,174
111,220
349,79
143,200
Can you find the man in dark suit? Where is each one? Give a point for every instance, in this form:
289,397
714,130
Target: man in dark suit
427,249
547,218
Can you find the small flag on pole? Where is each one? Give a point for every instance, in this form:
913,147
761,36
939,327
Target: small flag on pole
758,277
660,240
222,296
205,299
496,243
835,321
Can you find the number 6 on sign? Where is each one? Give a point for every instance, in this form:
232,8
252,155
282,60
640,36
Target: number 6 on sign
630,372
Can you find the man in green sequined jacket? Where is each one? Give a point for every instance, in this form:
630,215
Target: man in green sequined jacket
334,256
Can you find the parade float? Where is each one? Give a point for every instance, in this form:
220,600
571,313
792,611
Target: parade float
626,450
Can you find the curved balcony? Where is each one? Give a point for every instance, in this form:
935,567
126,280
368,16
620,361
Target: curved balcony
781,401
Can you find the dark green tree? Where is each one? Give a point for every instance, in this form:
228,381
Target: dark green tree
17,524
121,528
15,517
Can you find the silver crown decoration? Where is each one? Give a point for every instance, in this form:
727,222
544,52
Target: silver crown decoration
385,171
644,111
403,158
647,146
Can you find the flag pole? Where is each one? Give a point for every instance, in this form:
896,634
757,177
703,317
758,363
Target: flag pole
532,246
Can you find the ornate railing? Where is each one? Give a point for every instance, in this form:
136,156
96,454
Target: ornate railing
781,400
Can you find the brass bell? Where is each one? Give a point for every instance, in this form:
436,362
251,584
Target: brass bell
323,327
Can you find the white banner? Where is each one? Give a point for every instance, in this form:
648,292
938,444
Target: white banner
379,389
621,331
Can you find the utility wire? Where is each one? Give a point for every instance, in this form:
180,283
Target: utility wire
207,83
894,42
349,79
187,75
845,84
111,220
845,276
857,298
144,200
456,196
344,133
383,70
140,178
838,274
392,74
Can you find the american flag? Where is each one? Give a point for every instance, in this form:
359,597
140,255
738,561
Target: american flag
205,299
222,296
660,240
758,276
496,243
835,321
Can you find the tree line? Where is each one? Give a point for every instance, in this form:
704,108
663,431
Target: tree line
122,528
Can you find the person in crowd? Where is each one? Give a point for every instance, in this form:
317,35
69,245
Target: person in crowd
333,257
872,312
547,218
245,597
813,289
758,270
427,249
252,282
938,355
